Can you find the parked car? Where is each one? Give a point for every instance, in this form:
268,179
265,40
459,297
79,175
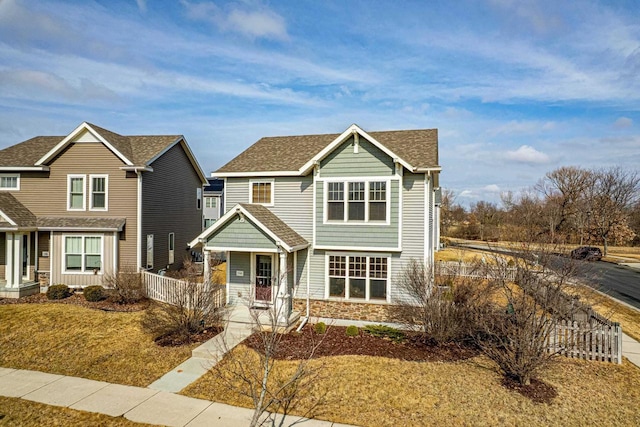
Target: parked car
587,253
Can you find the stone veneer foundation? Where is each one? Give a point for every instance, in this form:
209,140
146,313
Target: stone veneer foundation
344,310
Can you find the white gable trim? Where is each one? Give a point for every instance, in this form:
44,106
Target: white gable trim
351,130
7,219
66,141
238,209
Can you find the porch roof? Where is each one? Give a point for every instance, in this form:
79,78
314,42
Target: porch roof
13,214
262,219
80,223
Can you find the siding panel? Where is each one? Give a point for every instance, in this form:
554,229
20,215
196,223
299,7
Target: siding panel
369,161
240,234
239,285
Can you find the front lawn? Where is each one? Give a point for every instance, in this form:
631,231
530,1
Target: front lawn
18,412
387,391
77,341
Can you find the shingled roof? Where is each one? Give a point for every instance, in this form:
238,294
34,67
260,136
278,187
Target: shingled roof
140,150
16,212
278,227
419,148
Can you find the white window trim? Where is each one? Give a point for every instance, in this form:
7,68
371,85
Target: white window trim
262,181
210,198
150,251
347,297
11,175
84,192
171,241
346,181
199,200
106,192
83,254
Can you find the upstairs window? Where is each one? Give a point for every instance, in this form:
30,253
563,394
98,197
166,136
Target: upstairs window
98,192
335,201
9,181
210,202
366,201
75,193
262,192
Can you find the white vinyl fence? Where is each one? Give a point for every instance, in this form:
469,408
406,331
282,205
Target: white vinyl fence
470,270
173,291
587,340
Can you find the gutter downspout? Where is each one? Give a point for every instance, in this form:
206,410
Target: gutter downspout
139,222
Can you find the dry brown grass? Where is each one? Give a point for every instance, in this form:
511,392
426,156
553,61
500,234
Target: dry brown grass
77,341
375,391
18,412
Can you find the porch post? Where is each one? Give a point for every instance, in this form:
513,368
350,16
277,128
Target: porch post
283,303
13,271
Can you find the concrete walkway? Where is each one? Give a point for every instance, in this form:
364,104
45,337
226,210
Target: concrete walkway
137,404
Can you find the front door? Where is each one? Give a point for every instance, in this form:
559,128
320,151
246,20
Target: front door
264,275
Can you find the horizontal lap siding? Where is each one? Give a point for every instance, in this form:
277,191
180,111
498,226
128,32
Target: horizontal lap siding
43,246
240,234
293,204
413,222
239,285
236,190
361,235
369,161
317,273
169,205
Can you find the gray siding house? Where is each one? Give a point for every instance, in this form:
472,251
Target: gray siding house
323,224
74,208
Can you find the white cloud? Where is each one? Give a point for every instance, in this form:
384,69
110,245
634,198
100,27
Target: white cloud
491,188
262,23
516,127
623,122
527,154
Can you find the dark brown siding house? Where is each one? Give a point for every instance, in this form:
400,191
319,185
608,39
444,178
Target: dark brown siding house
74,208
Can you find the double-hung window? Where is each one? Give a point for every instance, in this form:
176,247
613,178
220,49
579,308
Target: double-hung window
210,202
366,201
358,277
262,192
98,192
9,181
75,192
82,253
172,247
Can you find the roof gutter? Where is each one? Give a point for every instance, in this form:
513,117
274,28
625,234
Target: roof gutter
137,169
25,168
432,169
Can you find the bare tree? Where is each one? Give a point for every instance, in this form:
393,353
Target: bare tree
611,196
125,286
274,392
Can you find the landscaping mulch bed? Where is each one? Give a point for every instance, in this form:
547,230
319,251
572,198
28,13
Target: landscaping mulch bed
78,299
335,342
179,340
538,391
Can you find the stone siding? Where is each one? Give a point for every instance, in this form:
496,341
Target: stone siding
345,310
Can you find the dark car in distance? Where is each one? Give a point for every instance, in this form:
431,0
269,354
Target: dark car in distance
587,253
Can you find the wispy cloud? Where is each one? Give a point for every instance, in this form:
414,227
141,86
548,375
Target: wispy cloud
142,5
260,23
622,123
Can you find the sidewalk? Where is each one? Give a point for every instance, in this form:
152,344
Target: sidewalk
137,404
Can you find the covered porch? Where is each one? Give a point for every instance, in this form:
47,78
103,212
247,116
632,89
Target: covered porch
18,239
263,256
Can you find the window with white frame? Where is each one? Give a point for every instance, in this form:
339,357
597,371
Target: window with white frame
82,254
366,201
75,192
9,181
210,202
172,247
98,192
358,277
199,198
262,192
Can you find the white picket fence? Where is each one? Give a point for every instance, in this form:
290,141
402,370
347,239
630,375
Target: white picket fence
587,340
170,290
470,270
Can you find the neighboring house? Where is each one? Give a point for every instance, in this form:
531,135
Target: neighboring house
332,219
74,208
213,201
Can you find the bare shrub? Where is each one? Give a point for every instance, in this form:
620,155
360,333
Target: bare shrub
192,308
125,287
514,331
440,304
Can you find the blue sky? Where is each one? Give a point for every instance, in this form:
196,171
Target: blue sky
516,88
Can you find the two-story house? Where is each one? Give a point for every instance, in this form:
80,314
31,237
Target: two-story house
213,201
74,208
323,224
